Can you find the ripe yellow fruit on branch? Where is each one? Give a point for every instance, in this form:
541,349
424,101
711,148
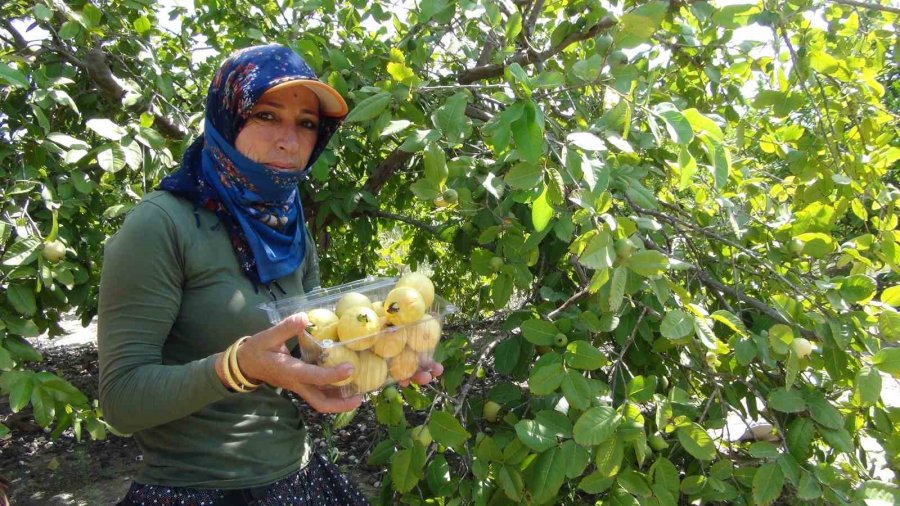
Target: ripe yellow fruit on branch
421,284
424,336
338,355
404,365
404,305
372,372
356,322
349,300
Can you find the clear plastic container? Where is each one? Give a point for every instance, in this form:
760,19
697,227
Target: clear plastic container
383,353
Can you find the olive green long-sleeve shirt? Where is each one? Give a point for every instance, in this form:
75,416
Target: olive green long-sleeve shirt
171,296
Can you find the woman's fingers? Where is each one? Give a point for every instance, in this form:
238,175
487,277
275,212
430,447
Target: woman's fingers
275,336
327,401
308,374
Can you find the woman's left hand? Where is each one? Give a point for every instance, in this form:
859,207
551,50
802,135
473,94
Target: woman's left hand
425,374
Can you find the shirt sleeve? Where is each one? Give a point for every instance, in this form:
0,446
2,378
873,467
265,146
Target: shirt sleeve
140,296
311,270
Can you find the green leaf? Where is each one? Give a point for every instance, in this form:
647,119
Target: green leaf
647,262
608,457
405,470
617,288
541,212
583,355
547,475
867,386
641,389
634,483
438,476
22,299
677,324
888,360
596,425
858,288
786,401
511,482
697,442
762,449
666,475
106,129
576,390
809,488
369,108
702,124
731,321
425,190
43,405
679,127
838,439
595,483
800,435
539,332
576,458
435,162
889,325
638,26
546,375
142,25
767,484
891,295
501,290
13,76
705,334
599,252
112,158
524,176
6,360
534,435
586,141
446,430
823,412
528,134
452,121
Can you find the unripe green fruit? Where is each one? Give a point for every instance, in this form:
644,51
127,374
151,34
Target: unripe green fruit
54,251
490,411
345,72
496,263
391,394
422,435
802,347
450,196
560,340
617,58
603,42
795,246
624,248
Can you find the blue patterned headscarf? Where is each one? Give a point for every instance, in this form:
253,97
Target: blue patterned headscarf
259,206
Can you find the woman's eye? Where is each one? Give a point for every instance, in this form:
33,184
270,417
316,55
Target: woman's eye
309,124
265,116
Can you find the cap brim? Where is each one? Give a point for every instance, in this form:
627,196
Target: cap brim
331,103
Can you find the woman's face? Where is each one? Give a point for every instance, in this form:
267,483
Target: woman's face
282,129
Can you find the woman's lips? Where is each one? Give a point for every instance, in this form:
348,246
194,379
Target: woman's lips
281,166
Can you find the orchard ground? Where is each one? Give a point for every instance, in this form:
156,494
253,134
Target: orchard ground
51,472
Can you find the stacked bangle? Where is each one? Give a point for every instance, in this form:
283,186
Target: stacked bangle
233,375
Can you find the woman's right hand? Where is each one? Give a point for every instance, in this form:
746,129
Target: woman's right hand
265,357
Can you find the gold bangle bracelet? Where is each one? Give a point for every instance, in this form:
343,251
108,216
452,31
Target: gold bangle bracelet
228,376
236,368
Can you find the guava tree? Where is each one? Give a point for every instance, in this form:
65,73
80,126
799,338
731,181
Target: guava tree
656,214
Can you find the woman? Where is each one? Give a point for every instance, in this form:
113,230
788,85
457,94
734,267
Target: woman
182,280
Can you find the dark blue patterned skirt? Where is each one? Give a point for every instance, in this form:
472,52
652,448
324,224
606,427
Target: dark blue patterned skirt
319,483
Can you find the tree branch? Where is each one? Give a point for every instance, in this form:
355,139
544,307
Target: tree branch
528,58
870,6
405,219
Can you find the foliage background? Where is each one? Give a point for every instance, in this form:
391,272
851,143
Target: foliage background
652,204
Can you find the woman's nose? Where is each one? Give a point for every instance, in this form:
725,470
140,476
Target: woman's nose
288,140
